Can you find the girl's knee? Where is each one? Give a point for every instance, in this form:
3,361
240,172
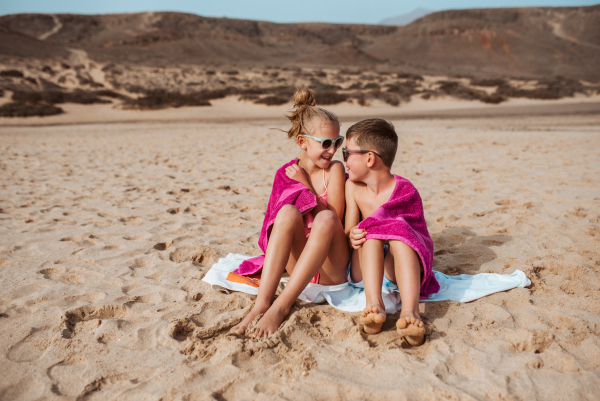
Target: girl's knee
326,220
287,214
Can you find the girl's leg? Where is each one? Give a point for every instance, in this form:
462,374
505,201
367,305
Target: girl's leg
407,276
371,259
326,251
285,247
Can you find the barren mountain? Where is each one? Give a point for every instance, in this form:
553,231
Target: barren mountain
511,42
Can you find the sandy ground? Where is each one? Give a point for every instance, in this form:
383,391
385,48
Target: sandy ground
108,227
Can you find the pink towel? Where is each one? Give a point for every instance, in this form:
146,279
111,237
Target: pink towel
285,191
402,219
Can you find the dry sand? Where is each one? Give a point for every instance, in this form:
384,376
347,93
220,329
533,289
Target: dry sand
108,227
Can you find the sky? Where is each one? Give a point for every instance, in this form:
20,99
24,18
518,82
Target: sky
337,11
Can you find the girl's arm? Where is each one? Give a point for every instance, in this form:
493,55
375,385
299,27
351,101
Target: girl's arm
336,199
296,173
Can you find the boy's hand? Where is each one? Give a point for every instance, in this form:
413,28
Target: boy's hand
296,173
357,237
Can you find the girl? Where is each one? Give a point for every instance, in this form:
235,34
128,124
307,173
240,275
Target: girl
302,232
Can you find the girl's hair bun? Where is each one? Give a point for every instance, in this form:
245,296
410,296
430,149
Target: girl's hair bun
305,111
304,97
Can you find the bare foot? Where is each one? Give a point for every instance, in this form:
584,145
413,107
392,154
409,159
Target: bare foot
269,323
412,329
241,327
372,319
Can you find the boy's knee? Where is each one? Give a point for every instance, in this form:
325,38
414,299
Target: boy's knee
400,247
373,243
326,220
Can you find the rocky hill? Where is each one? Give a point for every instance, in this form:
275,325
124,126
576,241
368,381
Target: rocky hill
510,42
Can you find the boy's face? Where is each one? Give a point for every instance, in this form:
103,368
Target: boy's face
356,165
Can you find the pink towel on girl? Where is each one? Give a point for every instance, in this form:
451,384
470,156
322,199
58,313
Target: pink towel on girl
402,219
285,192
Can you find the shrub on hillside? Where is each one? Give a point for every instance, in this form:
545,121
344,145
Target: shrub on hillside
405,90
556,88
489,82
328,98
57,97
405,75
28,110
11,73
455,89
160,99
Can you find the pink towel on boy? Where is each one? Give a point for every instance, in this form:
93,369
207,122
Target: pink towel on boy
402,219
285,191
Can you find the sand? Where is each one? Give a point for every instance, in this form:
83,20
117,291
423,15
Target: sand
108,225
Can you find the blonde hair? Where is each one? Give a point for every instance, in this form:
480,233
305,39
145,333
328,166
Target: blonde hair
305,111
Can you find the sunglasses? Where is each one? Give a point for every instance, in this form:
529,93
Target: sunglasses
346,153
328,143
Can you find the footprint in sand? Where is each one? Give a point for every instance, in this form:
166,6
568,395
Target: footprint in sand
143,294
114,247
200,254
130,219
73,239
32,347
144,261
136,237
74,319
63,275
162,246
193,287
91,297
66,377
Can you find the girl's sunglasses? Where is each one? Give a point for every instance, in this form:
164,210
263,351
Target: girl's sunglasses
327,143
346,153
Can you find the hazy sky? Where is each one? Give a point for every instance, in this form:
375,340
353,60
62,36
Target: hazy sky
371,11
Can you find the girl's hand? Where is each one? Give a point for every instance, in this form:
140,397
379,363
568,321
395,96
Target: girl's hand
357,237
296,173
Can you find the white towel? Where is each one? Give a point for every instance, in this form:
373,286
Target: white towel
463,288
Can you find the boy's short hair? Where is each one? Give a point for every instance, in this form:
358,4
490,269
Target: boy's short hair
375,134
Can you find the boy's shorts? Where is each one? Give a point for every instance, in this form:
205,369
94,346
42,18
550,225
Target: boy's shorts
386,283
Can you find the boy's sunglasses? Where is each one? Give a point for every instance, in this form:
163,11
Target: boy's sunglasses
327,143
346,153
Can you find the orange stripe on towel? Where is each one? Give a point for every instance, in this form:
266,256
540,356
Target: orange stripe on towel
253,281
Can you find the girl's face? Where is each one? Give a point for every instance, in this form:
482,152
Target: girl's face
321,129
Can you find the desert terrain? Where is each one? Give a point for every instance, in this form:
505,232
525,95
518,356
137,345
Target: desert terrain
136,150
163,60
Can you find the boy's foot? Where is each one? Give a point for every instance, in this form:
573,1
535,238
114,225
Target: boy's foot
241,327
269,323
372,319
412,329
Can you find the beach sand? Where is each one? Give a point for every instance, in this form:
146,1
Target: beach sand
110,219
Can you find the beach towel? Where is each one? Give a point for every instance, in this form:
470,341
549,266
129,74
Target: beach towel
285,191
402,219
462,288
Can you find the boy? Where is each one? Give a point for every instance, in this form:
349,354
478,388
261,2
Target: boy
391,244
